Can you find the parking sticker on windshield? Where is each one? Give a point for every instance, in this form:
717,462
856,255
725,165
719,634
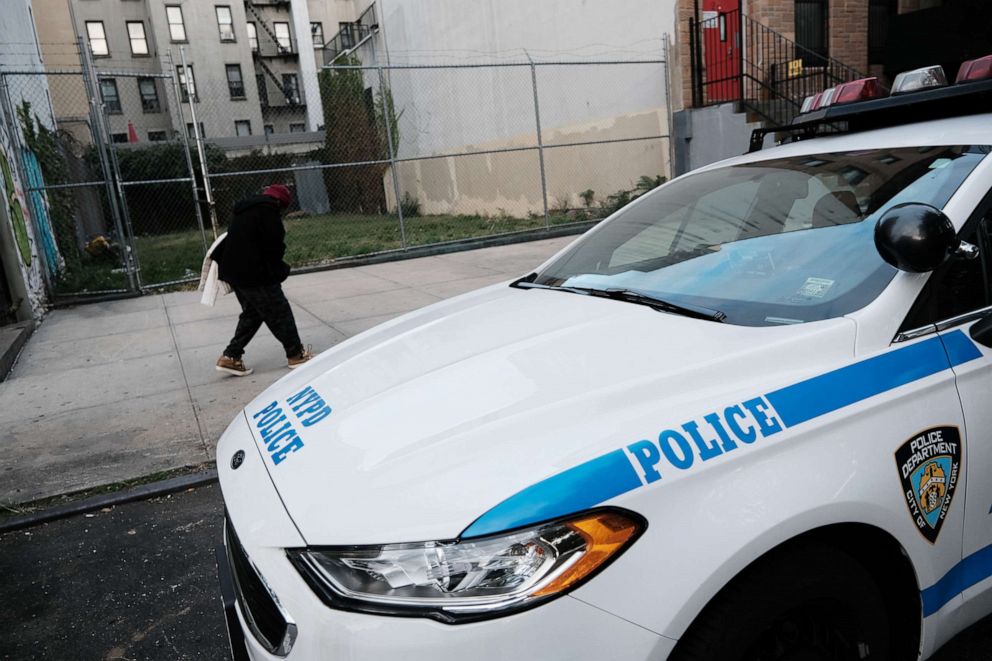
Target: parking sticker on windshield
815,288
929,468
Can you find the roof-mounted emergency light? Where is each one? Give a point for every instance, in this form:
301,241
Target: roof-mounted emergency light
811,102
919,79
858,90
828,97
977,69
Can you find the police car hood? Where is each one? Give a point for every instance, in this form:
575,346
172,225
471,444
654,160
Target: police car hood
411,431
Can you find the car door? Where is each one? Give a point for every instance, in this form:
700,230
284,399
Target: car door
957,303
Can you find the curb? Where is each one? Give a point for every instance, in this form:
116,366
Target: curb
10,352
143,492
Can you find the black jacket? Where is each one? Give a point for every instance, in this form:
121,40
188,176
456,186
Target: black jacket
251,255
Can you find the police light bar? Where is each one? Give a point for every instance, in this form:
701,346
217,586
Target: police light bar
977,69
858,90
919,79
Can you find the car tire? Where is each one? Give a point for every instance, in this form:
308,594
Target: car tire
800,603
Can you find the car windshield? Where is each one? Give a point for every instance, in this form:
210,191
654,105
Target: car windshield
781,241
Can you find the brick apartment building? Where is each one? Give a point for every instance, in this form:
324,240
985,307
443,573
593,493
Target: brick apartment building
737,64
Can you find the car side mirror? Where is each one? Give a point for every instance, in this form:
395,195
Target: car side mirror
981,331
918,238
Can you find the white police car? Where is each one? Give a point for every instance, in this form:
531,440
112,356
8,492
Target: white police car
718,426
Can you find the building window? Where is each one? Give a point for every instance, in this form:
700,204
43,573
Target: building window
225,24
191,134
263,90
182,84
242,127
97,38
156,136
282,37
252,37
177,29
111,99
136,35
291,88
297,128
346,32
149,95
235,83
317,32
119,138
811,31
269,129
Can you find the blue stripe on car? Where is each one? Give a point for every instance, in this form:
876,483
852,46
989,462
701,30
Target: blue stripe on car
970,571
612,474
848,385
573,490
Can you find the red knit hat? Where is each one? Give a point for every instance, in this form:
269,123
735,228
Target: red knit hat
280,193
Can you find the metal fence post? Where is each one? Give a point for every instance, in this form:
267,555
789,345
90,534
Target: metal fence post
92,86
387,112
125,213
198,136
668,101
177,92
540,139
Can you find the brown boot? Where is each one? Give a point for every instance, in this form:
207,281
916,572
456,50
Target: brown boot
298,360
234,366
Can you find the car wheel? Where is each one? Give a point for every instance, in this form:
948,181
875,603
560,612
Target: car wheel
795,604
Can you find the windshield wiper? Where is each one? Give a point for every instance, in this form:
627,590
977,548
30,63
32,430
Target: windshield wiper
524,284
633,296
640,298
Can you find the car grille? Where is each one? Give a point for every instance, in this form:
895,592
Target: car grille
266,619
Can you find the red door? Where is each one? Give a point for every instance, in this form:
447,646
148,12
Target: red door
721,28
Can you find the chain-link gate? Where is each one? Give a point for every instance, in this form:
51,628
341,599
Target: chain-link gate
127,213
141,170
67,145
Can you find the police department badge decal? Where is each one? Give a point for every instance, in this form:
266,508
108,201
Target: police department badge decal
929,467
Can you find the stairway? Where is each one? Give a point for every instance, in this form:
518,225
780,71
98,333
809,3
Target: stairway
765,73
291,99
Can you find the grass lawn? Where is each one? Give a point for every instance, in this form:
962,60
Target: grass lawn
309,240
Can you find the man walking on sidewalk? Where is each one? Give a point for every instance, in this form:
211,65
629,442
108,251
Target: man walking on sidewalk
250,259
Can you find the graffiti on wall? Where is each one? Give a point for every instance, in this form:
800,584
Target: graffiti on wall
14,207
16,211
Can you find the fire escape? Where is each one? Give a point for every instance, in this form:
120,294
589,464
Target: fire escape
273,48
351,36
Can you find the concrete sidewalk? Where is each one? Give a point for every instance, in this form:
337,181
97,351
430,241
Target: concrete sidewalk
113,391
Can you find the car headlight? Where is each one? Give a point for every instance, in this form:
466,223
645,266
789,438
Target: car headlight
469,579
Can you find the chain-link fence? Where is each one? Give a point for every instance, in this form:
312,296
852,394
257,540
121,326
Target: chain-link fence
141,169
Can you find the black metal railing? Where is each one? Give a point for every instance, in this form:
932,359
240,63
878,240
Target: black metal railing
350,35
734,58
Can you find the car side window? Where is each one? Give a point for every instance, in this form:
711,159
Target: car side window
960,285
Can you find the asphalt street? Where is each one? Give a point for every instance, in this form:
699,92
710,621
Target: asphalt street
139,582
